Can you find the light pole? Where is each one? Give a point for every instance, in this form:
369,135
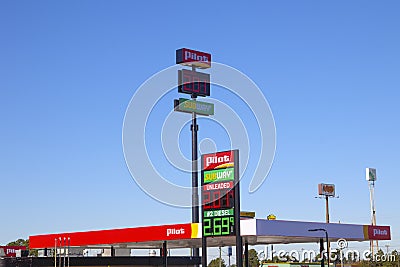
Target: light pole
371,178
327,240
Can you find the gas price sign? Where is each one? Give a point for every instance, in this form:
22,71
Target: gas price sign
193,82
218,195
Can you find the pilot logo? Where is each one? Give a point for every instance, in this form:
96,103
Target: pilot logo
374,232
380,232
222,159
194,56
173,231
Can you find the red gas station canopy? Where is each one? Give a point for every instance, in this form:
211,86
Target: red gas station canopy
254,231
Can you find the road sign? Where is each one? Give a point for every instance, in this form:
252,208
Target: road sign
189,106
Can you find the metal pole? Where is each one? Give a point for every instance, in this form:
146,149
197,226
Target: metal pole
272,253
327,208
69,245
328,245
65,250
164,253
55,252
220,257
246,253
321,251
195,196
341,257
59,254
203,251
195,178
373,214
239,242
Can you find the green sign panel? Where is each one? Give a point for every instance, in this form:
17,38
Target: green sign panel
218,213
219,175
203,108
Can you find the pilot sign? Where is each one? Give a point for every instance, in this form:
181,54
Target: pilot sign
193,82
219,178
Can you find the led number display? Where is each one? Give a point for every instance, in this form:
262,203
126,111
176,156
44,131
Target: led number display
193,82
218,199
218,226
218,209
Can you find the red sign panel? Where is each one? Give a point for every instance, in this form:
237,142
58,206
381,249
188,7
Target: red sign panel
190,57
10,251
218,160
139,234
378,232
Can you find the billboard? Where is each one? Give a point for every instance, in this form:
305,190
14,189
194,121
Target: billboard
327,190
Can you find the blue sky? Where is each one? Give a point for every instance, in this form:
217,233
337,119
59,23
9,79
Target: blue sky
329,70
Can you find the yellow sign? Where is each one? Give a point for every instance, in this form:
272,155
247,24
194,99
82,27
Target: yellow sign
248,214
271,217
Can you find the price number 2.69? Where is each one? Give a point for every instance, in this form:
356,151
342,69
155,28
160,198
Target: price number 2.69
218,226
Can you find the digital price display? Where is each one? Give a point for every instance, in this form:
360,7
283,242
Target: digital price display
193,82
218,212
218,193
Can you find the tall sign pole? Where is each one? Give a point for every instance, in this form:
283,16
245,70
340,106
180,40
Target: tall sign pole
219,171
195,177
327,191
195,84
370,175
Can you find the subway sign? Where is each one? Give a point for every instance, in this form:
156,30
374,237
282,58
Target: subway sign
219,173
189,106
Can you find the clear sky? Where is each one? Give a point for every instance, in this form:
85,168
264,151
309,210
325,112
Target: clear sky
68,69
